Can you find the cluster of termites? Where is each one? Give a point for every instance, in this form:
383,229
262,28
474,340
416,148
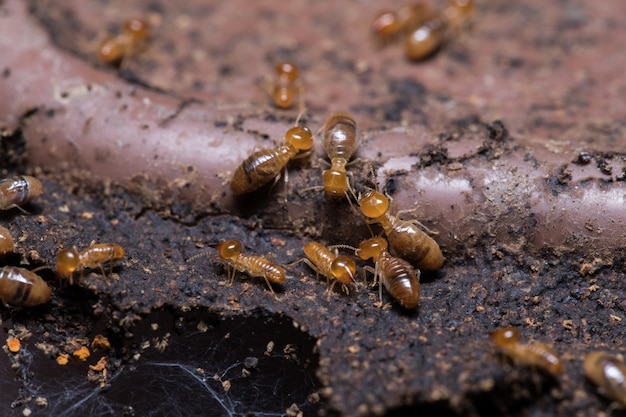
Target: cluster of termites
424,30
605,370
19,286
22,287
397,259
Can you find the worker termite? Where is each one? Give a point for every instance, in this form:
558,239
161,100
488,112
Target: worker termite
287,85
426,37
608,372
405,237
535,354
340,140
323,261
425,30
6,241
254,265
116,50
266,164
398,276
19,190
389,24
96,255
19,286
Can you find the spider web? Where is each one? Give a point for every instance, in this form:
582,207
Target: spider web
190,364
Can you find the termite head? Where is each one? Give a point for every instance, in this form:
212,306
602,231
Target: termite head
385,24
137,29
35,187
458,10
229,249
505,336
343,269
300,137
335,182
373,204
287,72
67,262
372,248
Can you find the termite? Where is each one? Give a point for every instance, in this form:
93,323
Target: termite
254,265
426,37
398,276
389,24
608,372
6,241
266,164
96,255
19,286
287,85
534,354
405,237
340,141
327,263
425,30
19,190
116,50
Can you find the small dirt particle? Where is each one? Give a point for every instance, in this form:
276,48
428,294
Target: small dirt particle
81,354
604,166
41,402
583,158
62,359
497,131
13,344
226,385
293,411
101,342
250,362
100,365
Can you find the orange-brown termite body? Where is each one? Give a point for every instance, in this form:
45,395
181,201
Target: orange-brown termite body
425,30
398,276
429,33
266,164
389,24
608,372
426,37
6,241
254,265
19,286
95,256
405,237
538,355
324,261
114,50
287,85
340,141
19,190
